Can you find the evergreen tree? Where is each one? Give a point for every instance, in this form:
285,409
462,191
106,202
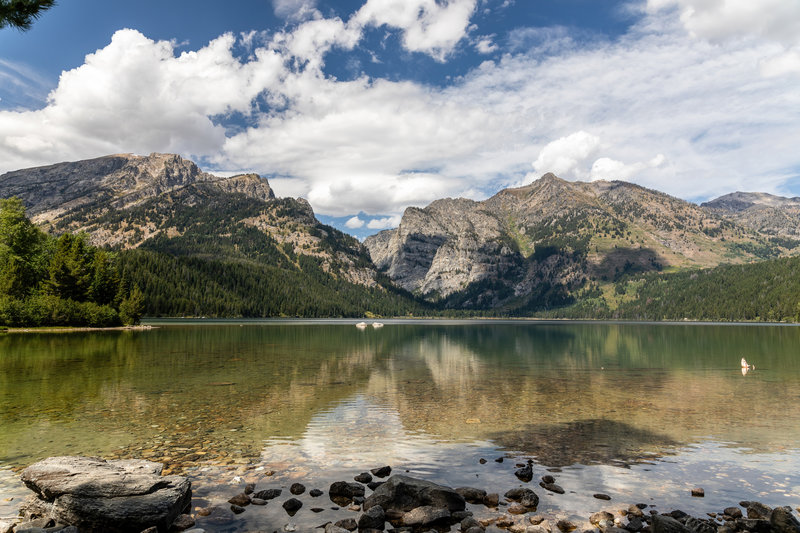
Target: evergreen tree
132,307
20,14
21,250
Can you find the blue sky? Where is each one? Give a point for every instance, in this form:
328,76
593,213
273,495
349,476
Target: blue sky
366,107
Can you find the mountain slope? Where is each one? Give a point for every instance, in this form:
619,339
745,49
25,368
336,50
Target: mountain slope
762,212
233,242
536,246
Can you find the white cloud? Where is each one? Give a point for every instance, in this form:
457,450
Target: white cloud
720,20
485,45
606,168
354,223
428,26
385,223
580,112
567,156
296,9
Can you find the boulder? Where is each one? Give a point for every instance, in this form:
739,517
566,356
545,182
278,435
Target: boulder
122,496
404,493
471,494
343,492
374,518
783,521
667,524
426,515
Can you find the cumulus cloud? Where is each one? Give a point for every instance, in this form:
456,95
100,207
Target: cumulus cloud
354,223
428,26
607,111
567,156
719,21
486,45
606,168
385,223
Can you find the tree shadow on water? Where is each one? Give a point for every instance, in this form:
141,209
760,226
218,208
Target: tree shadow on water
592,441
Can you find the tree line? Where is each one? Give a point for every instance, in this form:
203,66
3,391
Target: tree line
59,281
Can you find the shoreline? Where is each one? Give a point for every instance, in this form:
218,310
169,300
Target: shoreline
73,329
291,504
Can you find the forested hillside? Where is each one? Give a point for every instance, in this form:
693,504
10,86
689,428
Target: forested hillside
63,281
764,291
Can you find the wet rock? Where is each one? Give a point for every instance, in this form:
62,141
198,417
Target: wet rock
677,514
565,526
601,496
699,526
258,501
524,496
349,524
635,524
613,529
667,524
182,523
343,492
469,522
426,515
317,509
242,500
297,488
471,494
382,471
492,500
517,508
112,496
733,512
548,479
373,518
754,525
363,477
237,509
783,521
482,461
268,494
458,516
249,488
635,510
552,487
375,484
331,528
525,473
404,493
315,493
595,518
758,511
698,492
292,505
536,529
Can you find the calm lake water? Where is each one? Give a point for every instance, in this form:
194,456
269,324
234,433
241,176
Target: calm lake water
641,412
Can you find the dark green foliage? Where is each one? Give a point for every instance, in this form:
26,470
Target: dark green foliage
46,281
20,14
131,307
765,291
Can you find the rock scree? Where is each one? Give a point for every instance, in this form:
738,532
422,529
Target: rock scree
95,495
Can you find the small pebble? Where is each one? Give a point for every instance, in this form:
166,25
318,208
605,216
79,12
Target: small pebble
698,492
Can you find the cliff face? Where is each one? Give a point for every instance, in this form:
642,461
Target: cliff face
762,212
164,202
544,241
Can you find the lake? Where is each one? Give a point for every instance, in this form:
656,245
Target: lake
641,412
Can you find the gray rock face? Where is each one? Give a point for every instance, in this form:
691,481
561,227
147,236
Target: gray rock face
425,516
125,496
767,213
783,521
404,493
666,524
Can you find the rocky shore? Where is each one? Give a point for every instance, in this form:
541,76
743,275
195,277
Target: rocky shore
91,495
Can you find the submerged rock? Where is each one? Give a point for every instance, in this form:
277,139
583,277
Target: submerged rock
382,471
122,496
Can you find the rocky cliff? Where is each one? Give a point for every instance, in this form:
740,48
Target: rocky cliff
535,246
166,202
765,213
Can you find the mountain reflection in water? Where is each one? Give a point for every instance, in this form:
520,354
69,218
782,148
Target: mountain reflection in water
432,397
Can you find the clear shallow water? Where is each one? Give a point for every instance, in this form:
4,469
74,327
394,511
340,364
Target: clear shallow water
641,412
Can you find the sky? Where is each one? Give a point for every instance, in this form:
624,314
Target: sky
367,107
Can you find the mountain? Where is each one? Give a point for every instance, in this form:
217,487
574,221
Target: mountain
553,241
765,213
200,244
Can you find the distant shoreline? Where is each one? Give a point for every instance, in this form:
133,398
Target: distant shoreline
70,329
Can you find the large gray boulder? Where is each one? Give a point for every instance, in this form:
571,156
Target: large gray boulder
123,496
404,493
